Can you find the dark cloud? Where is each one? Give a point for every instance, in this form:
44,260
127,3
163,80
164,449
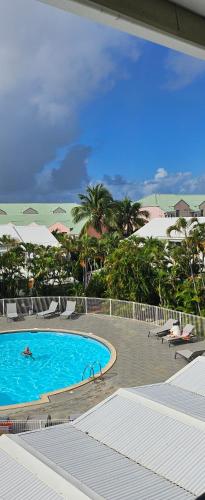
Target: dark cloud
51,63
115,180
72,173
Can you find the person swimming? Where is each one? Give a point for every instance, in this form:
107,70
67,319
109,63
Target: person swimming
27,352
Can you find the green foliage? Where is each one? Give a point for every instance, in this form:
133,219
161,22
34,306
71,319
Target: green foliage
95,208
97,286
129,275
128,217
150,271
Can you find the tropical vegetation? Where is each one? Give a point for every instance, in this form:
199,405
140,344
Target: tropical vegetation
115,263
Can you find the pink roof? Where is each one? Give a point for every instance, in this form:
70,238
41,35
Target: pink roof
154,212
59,227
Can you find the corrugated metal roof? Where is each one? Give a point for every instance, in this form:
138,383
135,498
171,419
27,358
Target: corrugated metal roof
157,228
191,377
165,441
174,397
105,471
18,483
167,201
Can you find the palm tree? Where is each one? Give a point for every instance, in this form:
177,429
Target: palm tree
95,208
8,242
129,216
184,227
87,255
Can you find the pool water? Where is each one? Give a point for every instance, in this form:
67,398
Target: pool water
59,361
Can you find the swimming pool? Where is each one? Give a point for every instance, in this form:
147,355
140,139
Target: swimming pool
59,360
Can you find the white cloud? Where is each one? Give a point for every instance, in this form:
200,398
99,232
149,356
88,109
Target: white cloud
160,174
182,70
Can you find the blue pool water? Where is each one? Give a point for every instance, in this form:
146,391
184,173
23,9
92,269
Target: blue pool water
59,361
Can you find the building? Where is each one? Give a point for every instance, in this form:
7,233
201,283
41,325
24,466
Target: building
157,228
37,235
52,215
140,443
176,205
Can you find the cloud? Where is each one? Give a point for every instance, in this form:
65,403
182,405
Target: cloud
182,70
161,173
161,182
52,65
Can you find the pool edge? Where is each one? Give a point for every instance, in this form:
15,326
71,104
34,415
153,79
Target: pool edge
45,397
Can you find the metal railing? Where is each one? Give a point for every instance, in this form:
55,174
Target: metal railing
109,307
10,426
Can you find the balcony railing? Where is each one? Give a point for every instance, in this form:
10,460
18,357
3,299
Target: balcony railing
28,306
12,426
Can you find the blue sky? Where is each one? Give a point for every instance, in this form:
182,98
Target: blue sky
81,103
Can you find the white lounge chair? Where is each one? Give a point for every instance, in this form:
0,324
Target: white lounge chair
69,310
11,311
49,312
162,330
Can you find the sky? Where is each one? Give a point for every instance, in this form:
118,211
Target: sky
81,103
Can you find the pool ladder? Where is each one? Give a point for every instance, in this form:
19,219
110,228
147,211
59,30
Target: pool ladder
92,372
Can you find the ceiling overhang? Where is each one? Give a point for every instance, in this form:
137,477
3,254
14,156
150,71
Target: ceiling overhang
160,21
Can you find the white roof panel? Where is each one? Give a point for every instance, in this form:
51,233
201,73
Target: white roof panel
38,235
18,483
169,443
174,397
108,474
191,377
9,230
157,228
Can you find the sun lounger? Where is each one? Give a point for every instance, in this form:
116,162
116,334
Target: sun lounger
11,311
49,312
162,330
186,336
192,353
69,310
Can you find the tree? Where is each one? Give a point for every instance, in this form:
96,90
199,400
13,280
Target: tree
87,254
129,275
95,209
128,216
184,227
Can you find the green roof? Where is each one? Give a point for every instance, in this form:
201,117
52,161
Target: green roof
15,214
167,201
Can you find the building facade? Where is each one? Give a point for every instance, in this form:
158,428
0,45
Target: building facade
176,205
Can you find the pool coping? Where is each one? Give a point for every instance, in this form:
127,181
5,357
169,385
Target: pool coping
45,397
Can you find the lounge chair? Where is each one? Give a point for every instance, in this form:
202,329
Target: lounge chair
186,336
69,310
191,354
49,312
11,311
162,330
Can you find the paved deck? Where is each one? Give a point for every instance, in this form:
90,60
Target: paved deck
139,361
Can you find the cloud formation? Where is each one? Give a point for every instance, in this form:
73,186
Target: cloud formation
52,64
182,70
162,182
